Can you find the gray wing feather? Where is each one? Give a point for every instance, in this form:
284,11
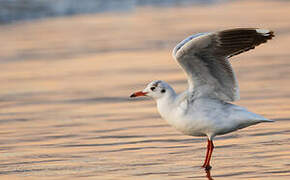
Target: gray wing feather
204,58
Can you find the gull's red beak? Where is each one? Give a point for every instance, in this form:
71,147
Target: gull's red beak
139,93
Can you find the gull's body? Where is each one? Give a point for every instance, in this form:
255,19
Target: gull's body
205,116
204,108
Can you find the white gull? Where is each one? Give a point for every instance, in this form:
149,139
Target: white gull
204,108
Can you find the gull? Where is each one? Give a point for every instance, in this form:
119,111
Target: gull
204,109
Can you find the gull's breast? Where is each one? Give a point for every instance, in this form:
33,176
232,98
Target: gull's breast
188,121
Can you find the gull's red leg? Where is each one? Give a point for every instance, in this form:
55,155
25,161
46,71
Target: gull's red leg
207,151
207,164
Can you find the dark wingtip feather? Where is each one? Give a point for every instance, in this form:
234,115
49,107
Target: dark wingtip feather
236,41
263,35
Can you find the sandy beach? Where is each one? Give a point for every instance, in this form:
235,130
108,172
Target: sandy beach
65,108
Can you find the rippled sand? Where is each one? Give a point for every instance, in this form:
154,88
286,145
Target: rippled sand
65,111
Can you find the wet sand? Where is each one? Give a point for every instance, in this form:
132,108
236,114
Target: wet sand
65,111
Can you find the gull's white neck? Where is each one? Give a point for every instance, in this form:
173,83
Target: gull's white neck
167,104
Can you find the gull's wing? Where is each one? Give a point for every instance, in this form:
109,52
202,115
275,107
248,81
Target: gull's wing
204,58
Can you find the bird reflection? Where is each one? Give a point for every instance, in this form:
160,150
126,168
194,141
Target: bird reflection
208,175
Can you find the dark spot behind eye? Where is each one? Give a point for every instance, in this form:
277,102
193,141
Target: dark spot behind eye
152,88
163,91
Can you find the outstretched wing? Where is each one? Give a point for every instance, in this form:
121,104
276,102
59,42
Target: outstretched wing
204,58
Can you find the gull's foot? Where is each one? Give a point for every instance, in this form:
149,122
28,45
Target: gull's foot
206,167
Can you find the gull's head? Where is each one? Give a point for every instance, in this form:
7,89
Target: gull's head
155,89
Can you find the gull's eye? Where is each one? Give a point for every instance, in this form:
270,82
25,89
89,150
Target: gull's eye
152,88
163,91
